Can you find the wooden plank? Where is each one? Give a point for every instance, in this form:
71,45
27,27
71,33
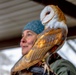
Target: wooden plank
67,7
72,32
10,43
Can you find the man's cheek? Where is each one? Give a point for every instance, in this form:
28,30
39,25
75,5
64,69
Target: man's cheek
31,42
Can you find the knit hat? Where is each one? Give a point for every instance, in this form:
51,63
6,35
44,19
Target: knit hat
36,26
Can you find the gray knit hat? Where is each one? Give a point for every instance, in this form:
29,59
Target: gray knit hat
36,26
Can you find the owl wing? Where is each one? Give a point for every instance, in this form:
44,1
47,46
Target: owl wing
46,40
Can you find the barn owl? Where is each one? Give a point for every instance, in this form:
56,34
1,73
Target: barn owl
51,16
54,34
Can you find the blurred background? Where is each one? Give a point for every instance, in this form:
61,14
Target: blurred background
14,14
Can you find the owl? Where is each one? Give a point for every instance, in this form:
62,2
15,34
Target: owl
54,35
52,16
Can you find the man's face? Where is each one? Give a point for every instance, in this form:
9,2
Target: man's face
27,41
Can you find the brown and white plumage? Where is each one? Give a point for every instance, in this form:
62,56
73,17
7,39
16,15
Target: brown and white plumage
54,35
52,16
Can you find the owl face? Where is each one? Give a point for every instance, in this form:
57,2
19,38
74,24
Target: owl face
46,14
52,16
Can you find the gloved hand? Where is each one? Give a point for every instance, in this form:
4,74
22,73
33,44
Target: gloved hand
39,71
33,71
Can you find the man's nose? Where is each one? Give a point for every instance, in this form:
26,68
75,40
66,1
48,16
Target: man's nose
23,40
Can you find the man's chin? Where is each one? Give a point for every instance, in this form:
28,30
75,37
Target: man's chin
24,52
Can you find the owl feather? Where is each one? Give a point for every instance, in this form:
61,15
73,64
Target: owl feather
54,34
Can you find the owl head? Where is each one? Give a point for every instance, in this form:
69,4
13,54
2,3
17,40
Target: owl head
50,12
52,16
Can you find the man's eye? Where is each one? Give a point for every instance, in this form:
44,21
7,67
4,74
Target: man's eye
29,34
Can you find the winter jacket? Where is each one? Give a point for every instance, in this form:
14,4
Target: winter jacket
63,67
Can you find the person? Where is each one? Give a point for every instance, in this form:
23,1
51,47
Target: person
29,35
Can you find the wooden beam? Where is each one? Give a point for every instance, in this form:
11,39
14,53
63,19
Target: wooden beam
14,42
10,43
72,32
67,7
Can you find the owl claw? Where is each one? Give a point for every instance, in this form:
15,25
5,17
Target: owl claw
46,68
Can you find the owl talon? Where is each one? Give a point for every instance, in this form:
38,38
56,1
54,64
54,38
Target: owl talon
46,68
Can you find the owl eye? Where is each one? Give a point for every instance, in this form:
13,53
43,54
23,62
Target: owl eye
47,13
